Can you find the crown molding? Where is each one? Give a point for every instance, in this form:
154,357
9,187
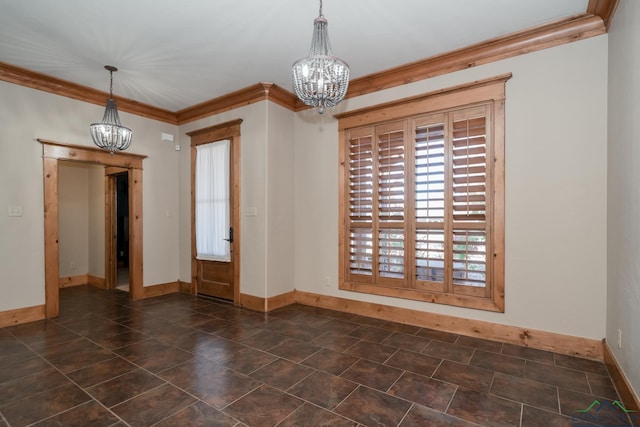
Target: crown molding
527,41
249,95
27,78
560,32
605,9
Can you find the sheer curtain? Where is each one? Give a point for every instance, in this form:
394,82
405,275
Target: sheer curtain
212,201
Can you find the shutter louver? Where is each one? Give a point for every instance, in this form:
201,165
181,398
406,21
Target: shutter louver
391,202
469,170
361,205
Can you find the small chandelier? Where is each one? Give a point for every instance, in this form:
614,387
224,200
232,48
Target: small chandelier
320,79
109,134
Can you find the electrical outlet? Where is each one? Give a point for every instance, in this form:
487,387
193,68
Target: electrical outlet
326,281
619,338
72,265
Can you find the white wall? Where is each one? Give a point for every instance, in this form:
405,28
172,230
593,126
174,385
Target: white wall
623,246
555,190
73,219
26,114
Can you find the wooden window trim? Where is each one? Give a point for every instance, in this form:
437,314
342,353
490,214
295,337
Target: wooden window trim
489,91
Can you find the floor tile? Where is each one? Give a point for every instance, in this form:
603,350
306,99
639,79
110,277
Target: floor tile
470,377
294,350
480,344
153,355
22,368
101,371
419,416
43,405
238,332
13,352
323,389
373,408
334,341
264,406
265,340
281,374
528,353
88,414
571,401
330,361
579,364
339,327
454,352
23,387
406,342
562,377
533,393
602,386
124,387
75,354
423,391
120,340
191,373
41,334
153,406
222,387
248,360
534,417
498,362
372,374
309,415
211,347
370,333
484,409
371,351
433,334
198,415
414,362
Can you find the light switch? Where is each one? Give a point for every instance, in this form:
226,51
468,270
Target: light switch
15,210
251,212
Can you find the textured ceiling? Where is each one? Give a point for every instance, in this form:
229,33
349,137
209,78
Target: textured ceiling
175,54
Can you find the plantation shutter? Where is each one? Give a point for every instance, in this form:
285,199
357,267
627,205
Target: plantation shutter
470,178
390,186
360,219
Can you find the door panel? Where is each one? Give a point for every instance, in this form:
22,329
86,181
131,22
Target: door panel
215,279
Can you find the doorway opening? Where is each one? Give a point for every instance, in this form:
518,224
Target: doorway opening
122,231
52,153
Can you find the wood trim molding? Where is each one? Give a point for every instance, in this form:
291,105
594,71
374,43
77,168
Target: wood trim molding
21,315
605,9
550,341
184,287
83,153
267,304
43,82
629,398
67,282
593,23
160,289
97,282
249,95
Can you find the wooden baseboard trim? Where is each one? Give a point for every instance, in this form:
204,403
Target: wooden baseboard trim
267,304
160,289
97,282
558,343
67,282
620,381
21,315
184,287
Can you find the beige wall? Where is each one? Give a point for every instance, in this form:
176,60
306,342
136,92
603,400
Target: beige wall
555,190
266,184
73,222
27,114
623,279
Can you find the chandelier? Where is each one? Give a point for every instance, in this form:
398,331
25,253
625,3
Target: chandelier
320,79
109,134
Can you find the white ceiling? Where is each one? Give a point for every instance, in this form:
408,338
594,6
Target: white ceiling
174,54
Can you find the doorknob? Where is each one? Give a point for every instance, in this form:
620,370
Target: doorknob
230,239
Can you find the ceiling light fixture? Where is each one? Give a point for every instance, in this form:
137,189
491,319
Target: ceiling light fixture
320,79
110,135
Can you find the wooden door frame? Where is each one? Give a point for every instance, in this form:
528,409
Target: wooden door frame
228,130
52,152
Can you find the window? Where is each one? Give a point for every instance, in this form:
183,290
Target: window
422,197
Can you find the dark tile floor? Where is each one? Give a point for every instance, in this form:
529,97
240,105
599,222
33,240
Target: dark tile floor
182,361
